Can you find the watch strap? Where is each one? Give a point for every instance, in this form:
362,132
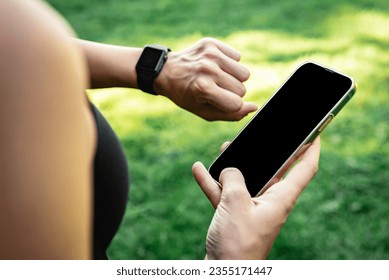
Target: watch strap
146,82
145,76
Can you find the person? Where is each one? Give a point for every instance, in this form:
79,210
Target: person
64,175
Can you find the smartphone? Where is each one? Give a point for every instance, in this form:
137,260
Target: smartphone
285,125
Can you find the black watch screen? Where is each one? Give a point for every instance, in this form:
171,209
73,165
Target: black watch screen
149,65
151,59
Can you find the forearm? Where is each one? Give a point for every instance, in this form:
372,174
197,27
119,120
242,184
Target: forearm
110,66
205,79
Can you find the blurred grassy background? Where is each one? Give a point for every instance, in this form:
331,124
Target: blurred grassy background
344,212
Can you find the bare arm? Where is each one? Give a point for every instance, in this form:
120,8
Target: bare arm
205,79
109,65
47,137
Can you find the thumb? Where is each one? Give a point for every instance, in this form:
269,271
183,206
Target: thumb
234,189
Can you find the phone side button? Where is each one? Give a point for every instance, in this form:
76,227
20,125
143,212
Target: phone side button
326,122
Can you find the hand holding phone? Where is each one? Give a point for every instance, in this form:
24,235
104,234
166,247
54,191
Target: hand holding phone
232,237
291,119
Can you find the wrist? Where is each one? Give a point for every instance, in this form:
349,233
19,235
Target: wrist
174,78
109,65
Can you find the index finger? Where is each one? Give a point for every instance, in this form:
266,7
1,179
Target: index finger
207,184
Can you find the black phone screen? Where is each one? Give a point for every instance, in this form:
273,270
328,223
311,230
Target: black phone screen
283,124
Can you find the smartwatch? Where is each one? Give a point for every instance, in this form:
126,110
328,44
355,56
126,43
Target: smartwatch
150,65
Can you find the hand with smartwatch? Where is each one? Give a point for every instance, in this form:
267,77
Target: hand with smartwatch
206,78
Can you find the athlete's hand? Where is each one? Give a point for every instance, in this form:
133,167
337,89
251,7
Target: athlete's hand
244,227
207,80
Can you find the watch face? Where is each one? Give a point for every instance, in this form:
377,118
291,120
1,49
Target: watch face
150,59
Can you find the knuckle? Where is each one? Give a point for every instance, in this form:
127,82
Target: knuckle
210,58
208,48
202,85
210,54
204,67
207,41
232,191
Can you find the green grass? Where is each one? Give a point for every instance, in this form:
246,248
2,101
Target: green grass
343,214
